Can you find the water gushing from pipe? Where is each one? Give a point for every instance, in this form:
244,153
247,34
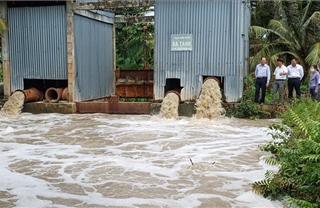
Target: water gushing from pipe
208,104
14,105
169,106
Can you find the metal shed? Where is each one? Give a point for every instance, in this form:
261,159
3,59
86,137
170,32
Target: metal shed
51,44
199,39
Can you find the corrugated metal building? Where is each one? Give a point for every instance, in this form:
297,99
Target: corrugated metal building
42,50
37,44
197,39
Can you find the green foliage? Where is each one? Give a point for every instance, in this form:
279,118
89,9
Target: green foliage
261,187
3,25
304,88
295,149
286,29
296,203
134,41
247,108
136,100
134,45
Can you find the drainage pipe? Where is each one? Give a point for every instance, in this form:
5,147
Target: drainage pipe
208,78
32,95
65,94
212,78
53,95
175,92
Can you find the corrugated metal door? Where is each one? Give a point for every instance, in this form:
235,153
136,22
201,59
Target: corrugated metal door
37,46
93,58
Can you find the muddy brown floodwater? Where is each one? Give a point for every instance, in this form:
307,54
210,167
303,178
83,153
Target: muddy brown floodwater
100,160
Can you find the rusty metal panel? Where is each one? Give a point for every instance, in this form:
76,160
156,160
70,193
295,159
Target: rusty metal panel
135,74
113,108
134,83
134,91
93,58
37,46
219,30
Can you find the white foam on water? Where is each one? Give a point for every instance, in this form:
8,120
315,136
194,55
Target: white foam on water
8,130
208,104
253,200
14,105
169,106
53,160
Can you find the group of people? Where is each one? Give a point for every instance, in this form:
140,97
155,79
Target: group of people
293,72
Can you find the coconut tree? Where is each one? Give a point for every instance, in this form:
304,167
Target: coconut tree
293,32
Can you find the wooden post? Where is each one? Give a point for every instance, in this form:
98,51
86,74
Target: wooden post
70,52
114,57
5,51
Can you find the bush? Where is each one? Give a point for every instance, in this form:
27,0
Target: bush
304,88
247,108
296,151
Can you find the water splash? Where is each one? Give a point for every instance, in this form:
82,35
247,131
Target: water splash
102,160
14,105
208,104
169,106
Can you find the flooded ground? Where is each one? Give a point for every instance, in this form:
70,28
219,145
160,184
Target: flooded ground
99,160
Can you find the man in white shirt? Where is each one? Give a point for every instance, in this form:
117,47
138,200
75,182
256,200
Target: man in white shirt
262,74
280,74
295,75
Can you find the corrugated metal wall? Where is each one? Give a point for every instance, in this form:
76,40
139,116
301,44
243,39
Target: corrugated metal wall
220,31
37,46
93,58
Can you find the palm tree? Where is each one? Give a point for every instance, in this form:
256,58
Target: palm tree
294,32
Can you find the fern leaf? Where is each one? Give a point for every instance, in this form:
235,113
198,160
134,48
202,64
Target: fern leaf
300,123
261,187
310,145
292,203
269,174
312,157
291,151
271,161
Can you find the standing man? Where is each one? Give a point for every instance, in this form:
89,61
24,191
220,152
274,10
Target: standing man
262,74
280,74
295,75
314,80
